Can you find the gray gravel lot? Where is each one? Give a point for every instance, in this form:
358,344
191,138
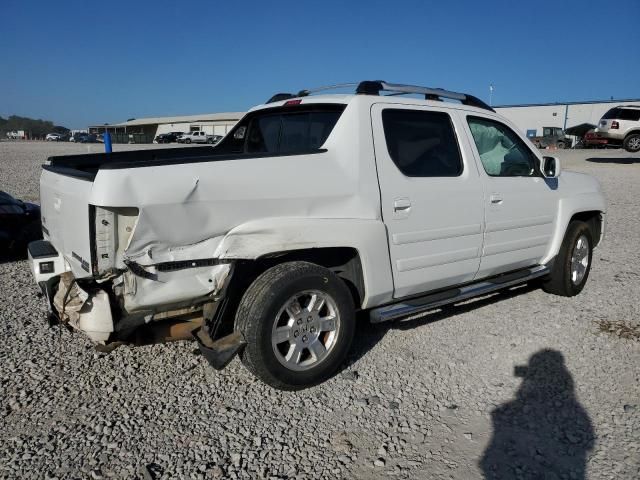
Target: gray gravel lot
429,399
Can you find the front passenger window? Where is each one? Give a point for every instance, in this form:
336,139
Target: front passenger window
502,152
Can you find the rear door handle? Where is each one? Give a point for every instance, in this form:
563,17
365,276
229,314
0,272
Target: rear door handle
495,199
401,208
401,204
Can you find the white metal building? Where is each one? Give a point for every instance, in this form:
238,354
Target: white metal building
530,118
144,130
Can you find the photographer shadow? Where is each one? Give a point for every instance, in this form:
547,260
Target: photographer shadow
544,433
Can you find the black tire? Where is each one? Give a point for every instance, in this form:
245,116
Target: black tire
188,140
560,280
560,145
632,143
258,312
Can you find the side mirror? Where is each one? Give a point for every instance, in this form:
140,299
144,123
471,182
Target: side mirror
550,167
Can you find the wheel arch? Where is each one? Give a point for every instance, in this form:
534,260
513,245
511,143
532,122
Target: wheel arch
586,207
356,247
635,131
595,220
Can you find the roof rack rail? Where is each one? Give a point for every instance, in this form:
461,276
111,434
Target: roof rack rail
278,97
374,87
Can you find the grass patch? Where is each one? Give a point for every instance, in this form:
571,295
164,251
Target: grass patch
619,329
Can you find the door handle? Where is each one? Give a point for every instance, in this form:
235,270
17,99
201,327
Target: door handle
401,205
495,199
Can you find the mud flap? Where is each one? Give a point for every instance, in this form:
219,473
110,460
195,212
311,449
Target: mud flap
219,352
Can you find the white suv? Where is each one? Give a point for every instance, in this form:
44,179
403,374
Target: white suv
311,209
621,126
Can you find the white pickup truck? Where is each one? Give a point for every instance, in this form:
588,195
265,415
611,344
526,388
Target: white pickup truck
312,208
198,137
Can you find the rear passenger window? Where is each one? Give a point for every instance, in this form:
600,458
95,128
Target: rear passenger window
283,131
421,143
629,114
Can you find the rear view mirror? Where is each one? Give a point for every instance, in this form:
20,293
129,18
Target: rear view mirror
550,167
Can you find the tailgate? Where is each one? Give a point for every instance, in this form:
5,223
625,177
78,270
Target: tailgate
64,203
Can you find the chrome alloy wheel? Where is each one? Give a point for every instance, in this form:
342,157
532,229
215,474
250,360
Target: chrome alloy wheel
305,330
579,259
634,143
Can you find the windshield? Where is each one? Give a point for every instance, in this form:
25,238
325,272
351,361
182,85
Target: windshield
283,130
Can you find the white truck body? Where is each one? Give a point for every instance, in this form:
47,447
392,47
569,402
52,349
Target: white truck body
160,234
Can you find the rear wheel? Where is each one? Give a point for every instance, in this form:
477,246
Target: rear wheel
573,263
632,143
188,140
298,320
560,145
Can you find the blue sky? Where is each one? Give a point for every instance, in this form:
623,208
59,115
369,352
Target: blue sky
80,62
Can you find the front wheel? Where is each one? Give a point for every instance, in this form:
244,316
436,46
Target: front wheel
573,262
298,320
632,143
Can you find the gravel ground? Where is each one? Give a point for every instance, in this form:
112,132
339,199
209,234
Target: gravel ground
439,397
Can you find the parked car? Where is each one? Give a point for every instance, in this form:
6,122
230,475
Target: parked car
310,209
84,138
19,223
592,140
53,137
197,137
621,126
551,137
170,137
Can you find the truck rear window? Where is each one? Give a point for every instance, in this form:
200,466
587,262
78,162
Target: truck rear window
283,131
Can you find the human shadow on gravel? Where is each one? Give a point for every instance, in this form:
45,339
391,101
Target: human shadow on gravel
544,432
621,160
368,335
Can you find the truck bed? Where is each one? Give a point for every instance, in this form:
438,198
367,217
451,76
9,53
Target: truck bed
86,166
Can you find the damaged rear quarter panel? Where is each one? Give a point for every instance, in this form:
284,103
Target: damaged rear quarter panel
241,208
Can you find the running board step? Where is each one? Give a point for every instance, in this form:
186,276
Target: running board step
415,306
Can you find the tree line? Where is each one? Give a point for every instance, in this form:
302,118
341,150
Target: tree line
33,128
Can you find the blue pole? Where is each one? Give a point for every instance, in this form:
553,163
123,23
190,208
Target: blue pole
107,142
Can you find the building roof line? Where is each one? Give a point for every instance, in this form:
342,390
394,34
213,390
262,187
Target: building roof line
204,117
552,104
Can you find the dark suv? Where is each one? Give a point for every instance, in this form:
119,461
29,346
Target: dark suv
170,137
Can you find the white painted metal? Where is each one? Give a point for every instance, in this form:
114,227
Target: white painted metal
433,242
245,209
535,117
519,215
